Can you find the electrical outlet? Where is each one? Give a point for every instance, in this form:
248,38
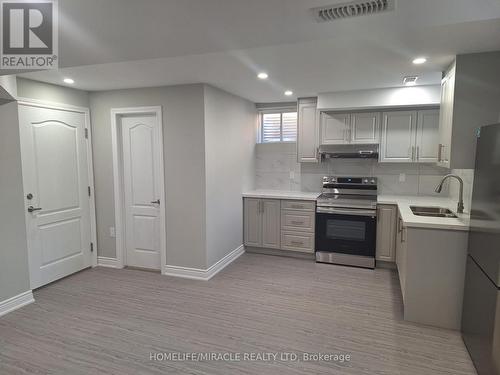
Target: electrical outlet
402,177
112,232
292,175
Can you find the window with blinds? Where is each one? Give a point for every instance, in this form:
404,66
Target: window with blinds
278,127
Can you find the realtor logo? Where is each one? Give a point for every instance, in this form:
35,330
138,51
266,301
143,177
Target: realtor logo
29,34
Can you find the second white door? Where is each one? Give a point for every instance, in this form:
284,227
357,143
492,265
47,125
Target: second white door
142,165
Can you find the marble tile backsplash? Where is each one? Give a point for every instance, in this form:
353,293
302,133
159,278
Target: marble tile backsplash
277,169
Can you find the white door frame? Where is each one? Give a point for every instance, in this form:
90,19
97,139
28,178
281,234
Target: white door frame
90,164
118,182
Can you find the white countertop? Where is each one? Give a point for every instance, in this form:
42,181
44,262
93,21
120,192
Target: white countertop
281,194
411,220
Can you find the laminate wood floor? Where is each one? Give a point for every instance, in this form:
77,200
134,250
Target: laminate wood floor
107,321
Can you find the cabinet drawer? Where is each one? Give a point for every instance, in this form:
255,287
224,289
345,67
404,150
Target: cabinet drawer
295,241
298,205
295,220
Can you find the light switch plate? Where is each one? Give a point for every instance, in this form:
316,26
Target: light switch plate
292,175
402,177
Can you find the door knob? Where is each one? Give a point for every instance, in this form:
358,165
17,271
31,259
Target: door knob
156,201
31,208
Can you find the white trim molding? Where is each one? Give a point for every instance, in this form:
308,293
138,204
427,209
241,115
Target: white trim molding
108,262
16,302
204,274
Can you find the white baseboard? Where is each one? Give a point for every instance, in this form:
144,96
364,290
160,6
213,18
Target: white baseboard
16,302
108,262
204,274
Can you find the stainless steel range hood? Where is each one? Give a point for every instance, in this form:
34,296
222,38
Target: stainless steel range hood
349,152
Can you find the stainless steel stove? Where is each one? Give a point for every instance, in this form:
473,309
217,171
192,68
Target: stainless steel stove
346,221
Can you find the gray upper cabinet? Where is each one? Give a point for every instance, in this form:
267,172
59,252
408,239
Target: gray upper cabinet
470,98
410,136
262,226
397,144
335,128
365,128
427,134
307,131
349,128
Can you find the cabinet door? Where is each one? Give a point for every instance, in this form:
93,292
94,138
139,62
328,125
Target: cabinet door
335,128
401,254
307,132
386,232
398,136
446,118
427,136
253,222
271,220
365,128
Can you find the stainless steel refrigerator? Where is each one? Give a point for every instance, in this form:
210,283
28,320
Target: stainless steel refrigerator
481,308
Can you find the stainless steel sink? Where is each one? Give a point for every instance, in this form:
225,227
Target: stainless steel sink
432,211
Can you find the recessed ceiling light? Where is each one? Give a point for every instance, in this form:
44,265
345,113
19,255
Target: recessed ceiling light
419,60
68,80
262,75
288,92
410,80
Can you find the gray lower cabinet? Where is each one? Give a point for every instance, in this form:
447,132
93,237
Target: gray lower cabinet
387,216
279,224
262,222
431,267
401,254
297,225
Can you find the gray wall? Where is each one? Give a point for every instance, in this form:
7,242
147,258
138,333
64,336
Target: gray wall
230,132
14,271
477,103
27,88
184,159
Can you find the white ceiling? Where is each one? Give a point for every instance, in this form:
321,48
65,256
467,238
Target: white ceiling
123,43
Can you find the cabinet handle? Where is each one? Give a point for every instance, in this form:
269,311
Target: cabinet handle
399,225
418,152
297,222
298,206
413,153
403,236
439,153
297,243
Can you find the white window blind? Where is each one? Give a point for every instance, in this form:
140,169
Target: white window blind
279,127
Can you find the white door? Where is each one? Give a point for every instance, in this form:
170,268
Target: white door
397,144
142,189
427,136
335,128
55,176
365,127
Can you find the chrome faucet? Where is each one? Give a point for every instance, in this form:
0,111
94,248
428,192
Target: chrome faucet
460,206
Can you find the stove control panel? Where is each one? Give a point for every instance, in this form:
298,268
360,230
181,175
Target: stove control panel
331,180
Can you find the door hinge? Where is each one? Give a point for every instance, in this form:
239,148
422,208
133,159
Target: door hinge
87,133
88,189
91,247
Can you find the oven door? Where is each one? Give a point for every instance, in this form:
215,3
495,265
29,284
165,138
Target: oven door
346,230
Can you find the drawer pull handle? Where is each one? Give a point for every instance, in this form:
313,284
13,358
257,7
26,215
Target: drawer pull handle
297,222
297,206
297,243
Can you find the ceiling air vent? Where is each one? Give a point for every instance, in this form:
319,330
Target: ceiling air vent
352,9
